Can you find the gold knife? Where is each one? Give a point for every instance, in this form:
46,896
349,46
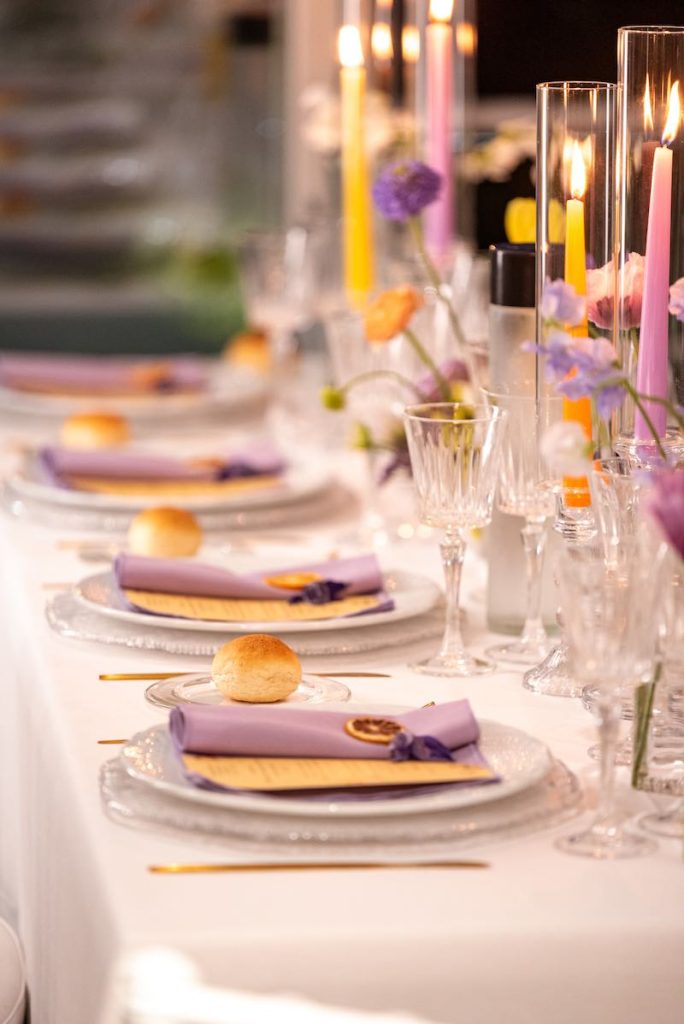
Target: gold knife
112,676
196,869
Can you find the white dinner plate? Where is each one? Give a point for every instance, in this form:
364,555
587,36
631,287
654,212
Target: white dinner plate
297,483
519,759
229,388
412,595
199,688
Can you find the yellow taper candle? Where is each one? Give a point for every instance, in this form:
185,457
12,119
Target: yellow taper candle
356,212
576,488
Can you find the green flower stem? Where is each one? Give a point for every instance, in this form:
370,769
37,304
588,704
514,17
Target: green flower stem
436,282
644,698
391,374
671,408
636,397
424,355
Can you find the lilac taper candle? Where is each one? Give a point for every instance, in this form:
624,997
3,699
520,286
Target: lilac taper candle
439,55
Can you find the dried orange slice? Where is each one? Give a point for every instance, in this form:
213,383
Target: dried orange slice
293,580
373,730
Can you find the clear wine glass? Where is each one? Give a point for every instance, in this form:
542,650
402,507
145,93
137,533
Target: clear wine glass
527,488
611,615
455,452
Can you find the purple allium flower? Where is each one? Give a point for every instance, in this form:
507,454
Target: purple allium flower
676,306
666,505
560,302
405,188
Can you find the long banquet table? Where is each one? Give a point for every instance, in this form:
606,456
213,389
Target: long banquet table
538,936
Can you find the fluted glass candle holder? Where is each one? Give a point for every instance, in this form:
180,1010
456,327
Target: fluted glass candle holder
575,232
650,232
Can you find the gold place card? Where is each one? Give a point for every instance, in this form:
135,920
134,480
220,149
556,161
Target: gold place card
170,488
285,773
228,609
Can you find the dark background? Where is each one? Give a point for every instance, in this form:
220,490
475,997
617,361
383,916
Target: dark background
522,42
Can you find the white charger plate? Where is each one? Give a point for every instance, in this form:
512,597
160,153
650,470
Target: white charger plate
297,483
412,595
229,388
199,688
520,760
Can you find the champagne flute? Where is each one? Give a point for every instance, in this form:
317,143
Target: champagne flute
455,450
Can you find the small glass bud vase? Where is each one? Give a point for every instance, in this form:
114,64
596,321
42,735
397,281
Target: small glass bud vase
649,322
576,132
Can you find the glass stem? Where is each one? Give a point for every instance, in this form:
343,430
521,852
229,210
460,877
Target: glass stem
534,542
452,548
609,729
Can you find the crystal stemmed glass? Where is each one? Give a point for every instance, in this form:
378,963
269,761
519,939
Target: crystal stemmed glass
527,488
455,451
611,620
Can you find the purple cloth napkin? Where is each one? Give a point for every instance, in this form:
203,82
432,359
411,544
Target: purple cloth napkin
361,575
288,732
90,374
56,465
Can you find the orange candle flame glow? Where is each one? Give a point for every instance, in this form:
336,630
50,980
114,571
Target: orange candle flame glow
441,10
673,116
349,47
578,172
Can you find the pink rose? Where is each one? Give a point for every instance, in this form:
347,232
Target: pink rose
601,293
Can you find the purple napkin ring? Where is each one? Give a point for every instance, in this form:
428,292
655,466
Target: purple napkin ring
319,592
407,747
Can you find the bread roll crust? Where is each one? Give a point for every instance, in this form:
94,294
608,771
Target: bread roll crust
164,533
95,430
257,668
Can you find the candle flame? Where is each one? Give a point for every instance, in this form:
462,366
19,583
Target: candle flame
349,47
648,109
673,116
410,44
441,10
578,172
466,38
381,41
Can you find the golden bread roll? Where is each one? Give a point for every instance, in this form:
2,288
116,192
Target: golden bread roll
250,349
257,668
94,430
164,533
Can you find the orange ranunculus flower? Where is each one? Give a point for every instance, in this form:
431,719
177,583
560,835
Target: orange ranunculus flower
391,312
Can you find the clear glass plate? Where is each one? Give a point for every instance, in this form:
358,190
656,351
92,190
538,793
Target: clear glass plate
69,618
552,801
520,760
412,595
199,689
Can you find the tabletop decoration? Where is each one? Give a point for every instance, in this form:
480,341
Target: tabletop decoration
439,46
650,215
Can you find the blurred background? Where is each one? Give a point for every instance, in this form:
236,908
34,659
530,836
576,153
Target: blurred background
140,139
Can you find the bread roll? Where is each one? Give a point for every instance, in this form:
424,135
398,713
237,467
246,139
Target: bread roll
250,349
164,533
95,430
257,668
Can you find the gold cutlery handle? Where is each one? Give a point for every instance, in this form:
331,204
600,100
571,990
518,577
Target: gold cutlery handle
196,869
119,676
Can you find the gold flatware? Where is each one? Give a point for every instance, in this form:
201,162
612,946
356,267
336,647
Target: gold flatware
120,676
112,741
430,704
196,869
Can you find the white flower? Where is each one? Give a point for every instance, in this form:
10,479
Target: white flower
566,450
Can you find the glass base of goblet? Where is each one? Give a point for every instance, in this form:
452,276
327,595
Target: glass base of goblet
606,844
646,453
520,652
454,666
669,825
590,698
552,676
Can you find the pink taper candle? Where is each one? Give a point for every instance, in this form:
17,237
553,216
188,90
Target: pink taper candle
653,361
439,55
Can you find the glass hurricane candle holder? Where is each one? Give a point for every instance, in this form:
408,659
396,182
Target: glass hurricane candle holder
650,233
575,233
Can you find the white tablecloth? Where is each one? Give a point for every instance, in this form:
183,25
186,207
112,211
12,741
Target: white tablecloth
539,936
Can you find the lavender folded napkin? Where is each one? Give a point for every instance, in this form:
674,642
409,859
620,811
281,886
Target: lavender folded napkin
90,375
359,575
58,466
289,732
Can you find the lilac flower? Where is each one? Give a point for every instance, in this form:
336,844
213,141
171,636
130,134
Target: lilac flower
405,188
666,505
561,303
676,306
560,360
